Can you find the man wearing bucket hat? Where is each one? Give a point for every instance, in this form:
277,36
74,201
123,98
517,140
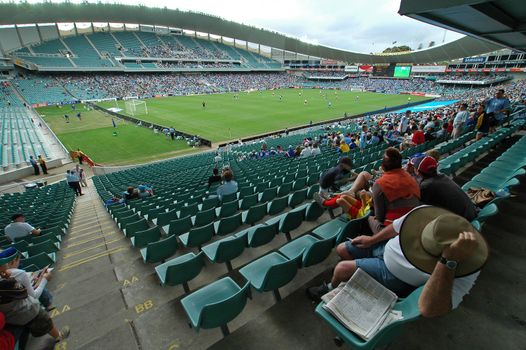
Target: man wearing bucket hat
439,190
430,246
19,308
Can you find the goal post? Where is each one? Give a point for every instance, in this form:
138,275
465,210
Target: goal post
136,107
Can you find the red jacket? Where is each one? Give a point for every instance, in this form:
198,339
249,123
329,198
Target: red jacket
418,137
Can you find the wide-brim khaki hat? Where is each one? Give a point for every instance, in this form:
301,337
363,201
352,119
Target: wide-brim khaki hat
427,231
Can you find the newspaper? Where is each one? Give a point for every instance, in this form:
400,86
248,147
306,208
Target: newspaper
363,305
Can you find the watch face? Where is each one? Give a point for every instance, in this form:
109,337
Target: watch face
451,264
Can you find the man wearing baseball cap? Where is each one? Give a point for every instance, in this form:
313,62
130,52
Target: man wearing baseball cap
439,190
428,246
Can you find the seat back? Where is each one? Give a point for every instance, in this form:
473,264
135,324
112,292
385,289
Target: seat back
262,234
205,217
292,220
256,213
142,238
230,248
180,226
229,197
279,275
198,236
268,194
299,183
297,197
277,205
284,189
228,209
229,224
189,267
317,252
39,261
165,218
134,227
45,247
220,313
189,210
161,250
209,203
314,211
248,201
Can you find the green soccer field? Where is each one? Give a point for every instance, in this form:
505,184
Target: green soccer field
226,117
94,135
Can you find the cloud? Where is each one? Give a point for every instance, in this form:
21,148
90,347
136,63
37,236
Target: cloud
360,26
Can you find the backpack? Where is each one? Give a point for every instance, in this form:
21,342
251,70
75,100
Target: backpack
480,196
10,290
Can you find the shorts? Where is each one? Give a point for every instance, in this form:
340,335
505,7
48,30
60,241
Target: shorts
371,260
41,324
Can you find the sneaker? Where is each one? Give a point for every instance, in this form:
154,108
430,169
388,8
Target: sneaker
318,199
64,333
315,293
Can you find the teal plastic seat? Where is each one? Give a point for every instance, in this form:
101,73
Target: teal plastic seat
486,212
134,227
297,198
313,189
299,184
277,205
248,202
209,203
229,198
410,312
205,217
340,228
142,238
125,221
189,210
268,194
227,209
47,247
270,272
261,234
312,249
215,304
228,225
49,236
179,226
245,191
291,220
159,251
198,236
284,189
254,214
153,213
180,270
164,219
39,261
314,211
226,249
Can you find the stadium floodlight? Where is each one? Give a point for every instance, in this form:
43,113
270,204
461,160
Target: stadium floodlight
136,107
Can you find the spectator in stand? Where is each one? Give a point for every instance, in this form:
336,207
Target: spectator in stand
332,179
442,133
214,178
43,164
73,181
315,150
306,152
34,164
459,121
24,310
404,122
395,193
229,186
19,228
428,246
7,339
483,122
497,109
439,190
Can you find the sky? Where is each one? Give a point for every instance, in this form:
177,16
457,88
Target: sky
360,26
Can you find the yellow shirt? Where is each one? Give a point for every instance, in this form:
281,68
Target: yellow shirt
344,147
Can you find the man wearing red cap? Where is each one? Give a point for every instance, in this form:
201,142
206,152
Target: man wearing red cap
439,190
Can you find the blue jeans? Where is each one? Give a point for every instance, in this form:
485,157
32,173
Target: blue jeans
46,298
371,260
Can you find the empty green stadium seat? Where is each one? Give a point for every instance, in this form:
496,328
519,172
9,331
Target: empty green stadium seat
159,251
226,249
180,270
142,238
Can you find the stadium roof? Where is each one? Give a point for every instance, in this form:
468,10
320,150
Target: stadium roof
24,13
501,22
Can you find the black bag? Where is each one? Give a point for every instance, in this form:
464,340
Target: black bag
11,289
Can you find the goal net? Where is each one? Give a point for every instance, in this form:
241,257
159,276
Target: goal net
136,107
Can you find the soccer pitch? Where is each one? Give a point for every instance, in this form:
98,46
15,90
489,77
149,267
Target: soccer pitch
231,116
226,116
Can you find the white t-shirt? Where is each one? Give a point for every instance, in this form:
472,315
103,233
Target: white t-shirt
23,278
306,152
315,152
18,229
398,265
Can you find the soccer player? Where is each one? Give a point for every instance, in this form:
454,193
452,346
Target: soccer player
330,104
305,102
204,104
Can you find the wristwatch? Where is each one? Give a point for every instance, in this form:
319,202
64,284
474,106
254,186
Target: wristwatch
450,264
